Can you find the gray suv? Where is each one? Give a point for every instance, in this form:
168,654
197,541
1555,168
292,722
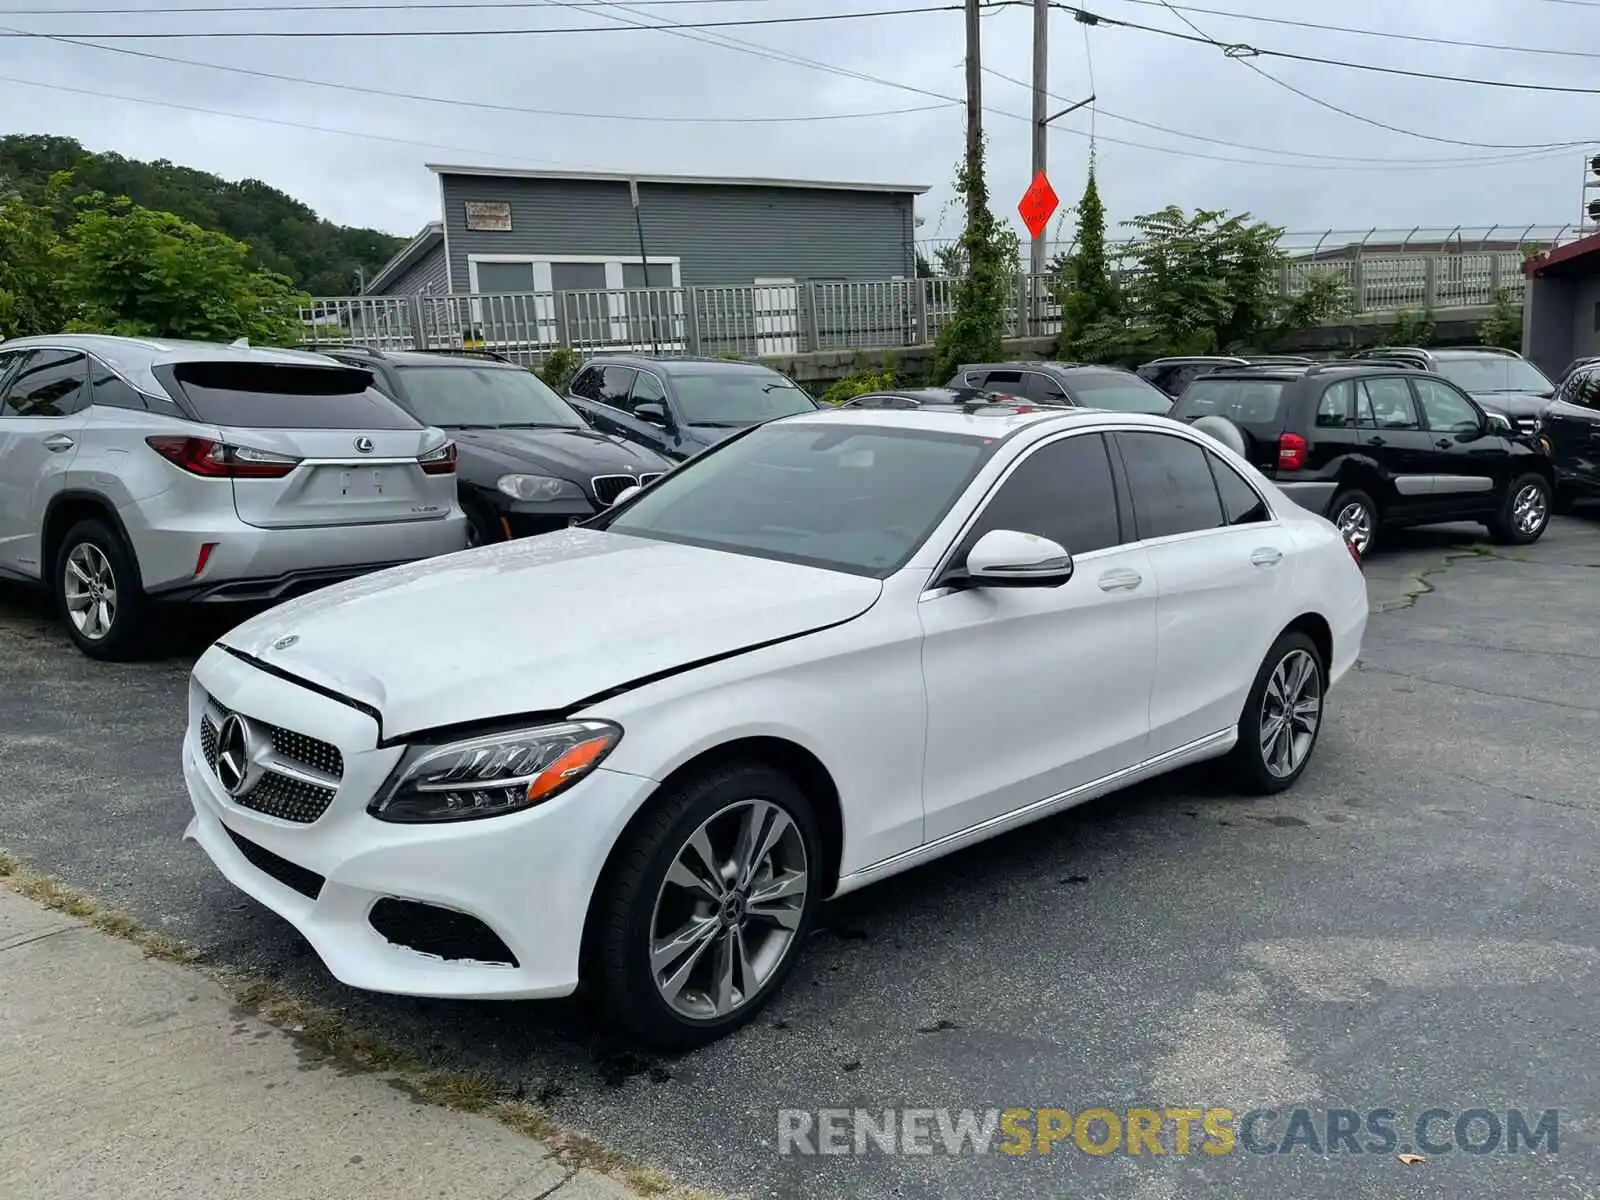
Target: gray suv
135,471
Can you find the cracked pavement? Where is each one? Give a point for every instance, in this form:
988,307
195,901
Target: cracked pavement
1415,925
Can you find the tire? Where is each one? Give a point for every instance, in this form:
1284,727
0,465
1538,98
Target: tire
1357,517
1524,511
638,907
94,560
482,529
1263,770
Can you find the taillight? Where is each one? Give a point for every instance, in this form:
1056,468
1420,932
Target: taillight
1354,553
202,456
439,462
1291,452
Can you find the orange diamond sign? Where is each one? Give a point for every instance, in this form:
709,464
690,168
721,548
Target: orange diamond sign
1038,204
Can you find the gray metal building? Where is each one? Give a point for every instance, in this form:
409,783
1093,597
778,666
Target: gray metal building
1561,314
561,231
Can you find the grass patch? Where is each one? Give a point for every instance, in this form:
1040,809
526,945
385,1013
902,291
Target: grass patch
332,1037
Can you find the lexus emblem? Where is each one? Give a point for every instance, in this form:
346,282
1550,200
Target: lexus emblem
364,444
233,754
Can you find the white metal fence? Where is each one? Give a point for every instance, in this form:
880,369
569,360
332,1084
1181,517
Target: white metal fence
745,320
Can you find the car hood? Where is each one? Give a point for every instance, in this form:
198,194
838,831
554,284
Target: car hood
539,624
709,435
575,454
1513,404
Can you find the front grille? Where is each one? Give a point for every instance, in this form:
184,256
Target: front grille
307,883
298,775
439,932
1527,425
647,480
608,487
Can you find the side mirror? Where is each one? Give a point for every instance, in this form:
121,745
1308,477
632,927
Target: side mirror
656,414
1006,558
626,494
1501,424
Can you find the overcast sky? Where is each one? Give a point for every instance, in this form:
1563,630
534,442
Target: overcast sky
1191,89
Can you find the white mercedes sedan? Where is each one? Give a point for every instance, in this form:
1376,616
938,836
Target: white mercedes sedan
637,754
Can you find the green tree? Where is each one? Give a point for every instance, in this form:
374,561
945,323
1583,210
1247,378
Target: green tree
973,332
1411,329
30,300
1503,326
1085,288
131,270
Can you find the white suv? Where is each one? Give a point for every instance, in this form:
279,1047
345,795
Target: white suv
134,470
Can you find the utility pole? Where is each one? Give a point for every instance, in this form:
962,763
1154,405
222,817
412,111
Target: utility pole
1041,132
974,106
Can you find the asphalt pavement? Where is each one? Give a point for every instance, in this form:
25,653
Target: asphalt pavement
1415,926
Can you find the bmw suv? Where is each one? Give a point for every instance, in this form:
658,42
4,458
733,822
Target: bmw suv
1500,380
134,471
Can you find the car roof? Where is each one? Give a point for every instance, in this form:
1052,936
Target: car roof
996,420
428,358
1291,371
1197,358
676,364
932,395
135,359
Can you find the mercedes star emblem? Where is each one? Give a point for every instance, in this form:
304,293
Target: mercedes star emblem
233,754
364,444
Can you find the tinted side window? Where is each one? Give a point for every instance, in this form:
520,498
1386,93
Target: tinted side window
1171,484
109,391
1447,411
1012,380
10,360
1391,404
1336,409
615,385
1062,491
1043,390
586,384
1241,503
647,389
49,383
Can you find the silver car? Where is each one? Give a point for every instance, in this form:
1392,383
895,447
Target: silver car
134,471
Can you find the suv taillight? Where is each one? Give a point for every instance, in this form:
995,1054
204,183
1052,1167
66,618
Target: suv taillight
439,462
1291,452
1354,553
218,460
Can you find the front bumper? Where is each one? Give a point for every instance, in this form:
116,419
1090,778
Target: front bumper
526,877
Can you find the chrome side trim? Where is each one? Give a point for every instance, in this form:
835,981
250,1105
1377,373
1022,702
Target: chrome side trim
1206,747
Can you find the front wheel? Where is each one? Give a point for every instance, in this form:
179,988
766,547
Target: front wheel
97,592
1282,716
706,905
1524,511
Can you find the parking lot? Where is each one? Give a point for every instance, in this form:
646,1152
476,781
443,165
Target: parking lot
1413,926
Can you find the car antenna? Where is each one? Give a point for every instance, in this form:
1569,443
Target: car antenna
240,343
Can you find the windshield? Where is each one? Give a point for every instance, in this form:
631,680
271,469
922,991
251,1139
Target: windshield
1242,401
1493,373
846,498
737,397
1118,392
456,396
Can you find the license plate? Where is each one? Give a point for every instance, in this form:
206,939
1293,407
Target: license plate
360,483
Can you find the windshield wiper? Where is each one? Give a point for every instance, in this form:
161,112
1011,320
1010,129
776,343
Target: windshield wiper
535,425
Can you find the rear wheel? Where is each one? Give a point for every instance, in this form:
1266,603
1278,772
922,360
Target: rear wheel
1282,716
482,529
1354,512
98,594
706,906
1524,511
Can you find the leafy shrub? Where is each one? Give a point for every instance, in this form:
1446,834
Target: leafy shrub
558,367
858,384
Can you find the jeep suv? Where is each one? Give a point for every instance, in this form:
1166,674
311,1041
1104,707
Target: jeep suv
137,470
1501,381
1377,444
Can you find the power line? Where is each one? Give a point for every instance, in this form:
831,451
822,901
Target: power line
482,104
1178,9
808,19
1360,117
386,6
1243,50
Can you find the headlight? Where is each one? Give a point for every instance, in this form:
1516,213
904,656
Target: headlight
489,776
538,487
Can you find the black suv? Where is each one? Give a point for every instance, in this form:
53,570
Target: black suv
679,406
1570,434
526,461
1174,374
1061,384
1376,444
1500,380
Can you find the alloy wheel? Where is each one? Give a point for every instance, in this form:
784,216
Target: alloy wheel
727,912
1291,710
1355,522
1530,509
90,591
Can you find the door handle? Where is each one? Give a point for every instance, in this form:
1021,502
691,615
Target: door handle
1120,579
58,442
1376,441
1444,443
1266,556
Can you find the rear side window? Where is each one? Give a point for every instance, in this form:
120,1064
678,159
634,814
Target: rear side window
1171,483
48,383
1390,403
1241,504
1254,403
252,395
1336,409
110,391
